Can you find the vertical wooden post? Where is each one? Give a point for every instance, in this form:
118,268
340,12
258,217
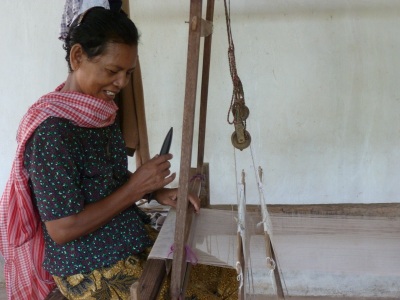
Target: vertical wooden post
134,101
204,89
183,214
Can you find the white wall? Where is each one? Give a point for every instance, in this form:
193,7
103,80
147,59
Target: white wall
320,79
32,64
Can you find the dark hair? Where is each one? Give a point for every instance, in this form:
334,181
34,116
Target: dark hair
97,27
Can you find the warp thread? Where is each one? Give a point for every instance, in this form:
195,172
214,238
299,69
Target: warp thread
190,255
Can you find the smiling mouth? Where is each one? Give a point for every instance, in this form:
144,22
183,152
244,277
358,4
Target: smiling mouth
111,94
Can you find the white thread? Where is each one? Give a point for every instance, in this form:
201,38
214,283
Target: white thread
240,274
265,215
271,264
273,283
250,275
240,220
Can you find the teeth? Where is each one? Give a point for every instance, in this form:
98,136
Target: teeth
110,93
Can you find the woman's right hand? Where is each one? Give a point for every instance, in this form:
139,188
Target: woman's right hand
152,175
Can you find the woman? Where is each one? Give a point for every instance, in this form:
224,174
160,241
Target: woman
75,171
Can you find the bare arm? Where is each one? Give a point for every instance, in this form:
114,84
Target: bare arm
151,176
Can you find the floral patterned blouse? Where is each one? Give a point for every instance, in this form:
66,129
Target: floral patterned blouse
69,167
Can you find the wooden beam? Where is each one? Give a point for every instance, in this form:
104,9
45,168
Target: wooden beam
183,214
150,281
125,7
204,89
143,153
205,184
278,281
135,92
387,210
154,270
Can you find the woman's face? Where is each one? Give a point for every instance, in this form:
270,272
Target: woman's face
105,75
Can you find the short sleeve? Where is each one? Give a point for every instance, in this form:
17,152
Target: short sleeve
52,159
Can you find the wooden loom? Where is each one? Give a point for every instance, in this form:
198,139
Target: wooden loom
155,269
342,216
154,273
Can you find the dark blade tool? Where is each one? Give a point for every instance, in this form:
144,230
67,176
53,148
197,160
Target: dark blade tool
167,143
164,150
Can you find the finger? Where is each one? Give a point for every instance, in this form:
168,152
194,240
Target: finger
165,165
195,201
163,174
169,179
172,202
161,158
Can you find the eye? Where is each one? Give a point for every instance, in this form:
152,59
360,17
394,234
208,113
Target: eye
113,72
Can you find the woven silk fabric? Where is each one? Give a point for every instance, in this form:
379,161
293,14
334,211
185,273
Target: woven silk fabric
21,242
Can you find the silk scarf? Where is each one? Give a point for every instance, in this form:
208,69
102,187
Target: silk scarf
21,241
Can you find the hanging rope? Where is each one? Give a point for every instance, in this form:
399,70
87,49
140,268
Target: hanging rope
240,138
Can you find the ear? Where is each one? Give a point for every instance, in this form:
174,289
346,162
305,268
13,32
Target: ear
76,56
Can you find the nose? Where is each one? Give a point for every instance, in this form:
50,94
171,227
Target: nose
121,81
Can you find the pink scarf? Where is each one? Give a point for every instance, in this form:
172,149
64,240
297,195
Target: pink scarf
21,241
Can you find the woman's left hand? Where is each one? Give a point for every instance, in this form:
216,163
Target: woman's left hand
166,196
